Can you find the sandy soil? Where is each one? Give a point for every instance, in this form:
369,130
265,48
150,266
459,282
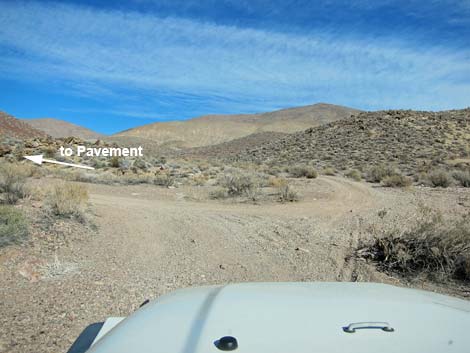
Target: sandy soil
151,240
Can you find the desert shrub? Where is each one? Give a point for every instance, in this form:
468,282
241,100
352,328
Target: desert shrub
329,171
218,193
97,163
354,174
377,173
50,152
273,170
114,162
67,199
264,180
164,179
199,179
135,179
125,164
276,181
284,190
13,225
253,194
140,164
396,180
439,178
203,166
301,171
463,178
12,182
88,177
287,193
238,184
432,246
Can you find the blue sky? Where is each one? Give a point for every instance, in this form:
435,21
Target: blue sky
114,65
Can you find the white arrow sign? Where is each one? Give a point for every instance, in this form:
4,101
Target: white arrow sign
39,160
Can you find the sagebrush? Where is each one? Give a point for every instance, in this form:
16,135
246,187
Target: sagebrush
12,182
303,171
439,178
238,183
67,199
433,246
13,225
396,180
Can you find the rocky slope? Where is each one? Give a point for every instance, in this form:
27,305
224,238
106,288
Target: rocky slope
413,141
213,129
230,148
60,128
11,127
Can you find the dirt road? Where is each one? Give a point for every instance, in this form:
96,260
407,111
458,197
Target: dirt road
152,240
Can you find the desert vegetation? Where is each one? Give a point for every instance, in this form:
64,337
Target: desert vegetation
396,180
12,182
303,171
463,178
377,144
67,199
354,174
429,245
286,192
13,225
378,173
439,178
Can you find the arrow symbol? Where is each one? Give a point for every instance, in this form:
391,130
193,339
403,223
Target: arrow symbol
38,159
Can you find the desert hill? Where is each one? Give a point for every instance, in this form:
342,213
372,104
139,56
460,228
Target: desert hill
413,141
60,128
15,128
231,148
214,129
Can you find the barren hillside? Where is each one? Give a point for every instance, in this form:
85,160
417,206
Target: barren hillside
60,128
12,127
213,129
232,147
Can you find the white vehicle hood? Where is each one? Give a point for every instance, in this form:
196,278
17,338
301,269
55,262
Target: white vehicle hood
294,318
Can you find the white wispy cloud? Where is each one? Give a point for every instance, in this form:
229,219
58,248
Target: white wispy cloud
105,51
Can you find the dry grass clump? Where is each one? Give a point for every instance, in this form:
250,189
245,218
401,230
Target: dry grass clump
396,180
439,178
463,178
329,171
276,182
68,200
163,179
12,182
378,173
284,190
303,171
288,194
13,225
238,184
200,179
114,162
218,193
273,170
432,246
354,174
135,179
86,177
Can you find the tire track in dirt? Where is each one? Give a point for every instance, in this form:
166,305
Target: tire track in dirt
194,240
